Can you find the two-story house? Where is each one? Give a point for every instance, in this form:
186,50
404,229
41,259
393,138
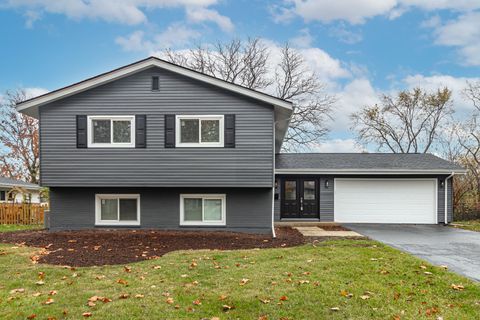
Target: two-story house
156,145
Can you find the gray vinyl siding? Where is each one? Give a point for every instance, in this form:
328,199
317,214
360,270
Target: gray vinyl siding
327,196
249,164
247,209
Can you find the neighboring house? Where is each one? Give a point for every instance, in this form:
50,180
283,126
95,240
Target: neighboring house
16,191
156,145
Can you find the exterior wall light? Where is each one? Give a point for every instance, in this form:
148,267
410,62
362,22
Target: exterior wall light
326,183
442,183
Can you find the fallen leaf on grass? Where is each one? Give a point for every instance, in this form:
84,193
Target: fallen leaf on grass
32,316
139,296
365,297
457,287
37,294
122,281
41,275
222,297
335,309
427,273
265,301
124,296
157,267
169,301
40,283
443,266
87,314
227,307
49,301
52,292
423,267
283,298
244,281
197,302
127,269
19,290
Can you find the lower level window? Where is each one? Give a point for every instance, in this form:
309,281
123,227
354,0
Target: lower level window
202,209
117,209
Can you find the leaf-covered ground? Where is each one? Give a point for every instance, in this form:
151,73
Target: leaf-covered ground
473,225
19,227
343,279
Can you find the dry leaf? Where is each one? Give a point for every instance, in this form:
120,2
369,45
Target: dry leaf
283,298
139,296
197,302
157,267
36,294
52,292
124,296
122,281
41,275
265,301
423,267
457,287
222,297
49,301
427,273
32,316
19,290
40,283
335,309
365,297
227,307
244,281
169,301
87,314
127,269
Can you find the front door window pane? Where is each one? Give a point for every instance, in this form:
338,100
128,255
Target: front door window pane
101,131
128,209
193,209
109,209
309,190
121,131
290,190
213,209
210,130
189,130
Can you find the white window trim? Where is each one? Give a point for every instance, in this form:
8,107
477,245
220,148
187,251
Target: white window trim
112,144
98,209
178,133
221,197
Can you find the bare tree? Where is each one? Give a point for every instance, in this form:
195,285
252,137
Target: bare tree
19,150
407,123
249,63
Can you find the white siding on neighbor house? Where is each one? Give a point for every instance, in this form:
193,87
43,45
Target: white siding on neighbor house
19,197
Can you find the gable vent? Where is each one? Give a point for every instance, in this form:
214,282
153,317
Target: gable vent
155,83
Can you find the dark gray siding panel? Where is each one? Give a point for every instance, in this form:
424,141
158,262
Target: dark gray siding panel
450,201
326,199
249,164
248,209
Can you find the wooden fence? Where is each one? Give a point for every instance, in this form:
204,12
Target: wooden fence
20,213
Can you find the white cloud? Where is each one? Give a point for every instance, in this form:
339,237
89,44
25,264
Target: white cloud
344,35
202,15
462,33
456,84
353,96
303,40
358,11
130,12
337,146
176,35
324,64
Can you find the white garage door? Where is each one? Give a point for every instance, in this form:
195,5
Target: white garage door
385,201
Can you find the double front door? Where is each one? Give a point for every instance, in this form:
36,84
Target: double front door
299,198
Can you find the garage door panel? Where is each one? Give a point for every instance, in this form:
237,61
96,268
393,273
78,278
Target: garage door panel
385,201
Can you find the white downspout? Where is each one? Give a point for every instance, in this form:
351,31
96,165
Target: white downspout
446,196
273,184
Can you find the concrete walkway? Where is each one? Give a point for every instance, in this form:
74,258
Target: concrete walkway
440,245
319,232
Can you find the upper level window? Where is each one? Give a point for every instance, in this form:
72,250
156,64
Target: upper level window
111,131
199,131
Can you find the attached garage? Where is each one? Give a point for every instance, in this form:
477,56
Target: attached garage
385,201
364,188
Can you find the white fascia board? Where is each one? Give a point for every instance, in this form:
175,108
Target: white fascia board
142,65
369,172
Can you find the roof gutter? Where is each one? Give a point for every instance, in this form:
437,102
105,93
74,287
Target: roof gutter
366,171
446,197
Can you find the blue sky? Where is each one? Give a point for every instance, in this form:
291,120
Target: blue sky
359,48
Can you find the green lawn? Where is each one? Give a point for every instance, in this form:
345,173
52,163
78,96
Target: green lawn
359,279
18,227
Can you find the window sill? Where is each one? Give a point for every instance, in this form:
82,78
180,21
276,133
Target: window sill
200,224
117,224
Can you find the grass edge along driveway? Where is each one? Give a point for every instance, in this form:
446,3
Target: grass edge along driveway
359,279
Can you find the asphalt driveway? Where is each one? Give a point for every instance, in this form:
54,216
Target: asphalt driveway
440,245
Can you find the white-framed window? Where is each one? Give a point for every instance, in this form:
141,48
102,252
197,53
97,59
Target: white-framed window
202,209
199,131
117,209
111,131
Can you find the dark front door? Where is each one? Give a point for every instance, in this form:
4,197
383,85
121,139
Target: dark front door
300,198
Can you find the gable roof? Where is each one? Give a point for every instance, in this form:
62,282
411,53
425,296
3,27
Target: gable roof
364,163
30,106
8,182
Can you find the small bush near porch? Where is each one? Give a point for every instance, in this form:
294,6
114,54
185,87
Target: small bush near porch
343,279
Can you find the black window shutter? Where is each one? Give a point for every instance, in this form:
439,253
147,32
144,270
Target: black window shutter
81,131
169,131
140,131
229,131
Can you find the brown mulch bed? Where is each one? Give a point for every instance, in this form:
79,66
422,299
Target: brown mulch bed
107,247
